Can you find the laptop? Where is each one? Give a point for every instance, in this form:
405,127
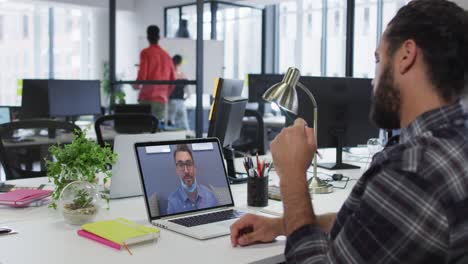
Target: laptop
125,181
186,188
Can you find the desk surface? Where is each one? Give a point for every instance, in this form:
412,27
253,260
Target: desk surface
43,237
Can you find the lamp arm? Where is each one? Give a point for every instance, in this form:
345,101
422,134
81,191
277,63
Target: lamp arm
314,103
309,93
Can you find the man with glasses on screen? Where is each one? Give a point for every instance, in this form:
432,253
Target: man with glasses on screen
411,205
190,195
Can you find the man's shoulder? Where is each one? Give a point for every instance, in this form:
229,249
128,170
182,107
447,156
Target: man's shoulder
429,156
206,190
173,195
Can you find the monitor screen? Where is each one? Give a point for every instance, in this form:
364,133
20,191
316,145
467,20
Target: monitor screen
228,123
259,83
182,176
74,97
343,110
5,116
35,99
224,88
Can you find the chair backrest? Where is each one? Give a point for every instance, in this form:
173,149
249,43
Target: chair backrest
131,123
23,156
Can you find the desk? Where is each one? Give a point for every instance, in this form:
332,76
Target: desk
43,237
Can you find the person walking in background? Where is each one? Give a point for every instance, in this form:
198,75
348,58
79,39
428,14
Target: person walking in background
177,111
155,64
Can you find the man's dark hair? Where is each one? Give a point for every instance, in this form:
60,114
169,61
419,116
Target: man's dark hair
177,60
183,148
440,30
152,33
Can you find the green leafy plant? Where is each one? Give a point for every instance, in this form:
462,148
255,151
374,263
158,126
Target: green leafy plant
79,161
82,200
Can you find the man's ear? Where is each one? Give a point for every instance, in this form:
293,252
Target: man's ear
406,56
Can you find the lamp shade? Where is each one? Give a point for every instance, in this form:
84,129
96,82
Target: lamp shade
284,93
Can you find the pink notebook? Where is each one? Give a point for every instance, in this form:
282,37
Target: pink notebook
99,239
23,197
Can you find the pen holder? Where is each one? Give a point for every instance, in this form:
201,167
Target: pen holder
257,191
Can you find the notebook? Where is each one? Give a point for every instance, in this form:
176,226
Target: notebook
125,181
186,188
23,197
122,231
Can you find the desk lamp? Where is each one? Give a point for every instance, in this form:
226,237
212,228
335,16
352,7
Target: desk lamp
284,95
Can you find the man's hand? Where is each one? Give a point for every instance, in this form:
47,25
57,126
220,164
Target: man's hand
293,150
254,228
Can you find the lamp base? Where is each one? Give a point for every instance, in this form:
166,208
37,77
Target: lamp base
318,186
337,166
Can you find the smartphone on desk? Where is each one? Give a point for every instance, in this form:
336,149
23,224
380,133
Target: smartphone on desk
6,231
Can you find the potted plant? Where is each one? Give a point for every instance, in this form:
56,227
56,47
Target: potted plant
79,202
82,160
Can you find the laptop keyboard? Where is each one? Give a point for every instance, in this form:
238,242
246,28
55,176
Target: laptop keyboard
207,218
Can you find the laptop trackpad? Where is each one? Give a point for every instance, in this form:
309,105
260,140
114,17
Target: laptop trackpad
227,223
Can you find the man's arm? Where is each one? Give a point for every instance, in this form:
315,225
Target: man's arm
396,221
292,151
142,70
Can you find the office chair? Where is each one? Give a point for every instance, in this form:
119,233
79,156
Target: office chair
131,123
18,155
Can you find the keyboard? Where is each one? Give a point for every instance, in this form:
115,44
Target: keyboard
207,218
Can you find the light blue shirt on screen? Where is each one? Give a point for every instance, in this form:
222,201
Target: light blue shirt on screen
178,201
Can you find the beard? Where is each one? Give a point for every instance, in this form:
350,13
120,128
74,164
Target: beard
386,102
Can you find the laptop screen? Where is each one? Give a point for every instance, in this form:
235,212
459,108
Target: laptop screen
5,116
182,176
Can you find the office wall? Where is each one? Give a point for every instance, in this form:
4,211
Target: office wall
128,5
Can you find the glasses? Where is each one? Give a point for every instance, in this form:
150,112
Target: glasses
182,165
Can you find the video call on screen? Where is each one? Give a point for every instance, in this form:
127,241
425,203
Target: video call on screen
181,178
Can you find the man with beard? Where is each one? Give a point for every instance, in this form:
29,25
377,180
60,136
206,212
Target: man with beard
190,195
411,205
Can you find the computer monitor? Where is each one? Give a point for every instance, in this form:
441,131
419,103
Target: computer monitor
35,99
343,110
259,83
71,98
343,114
223,88
226,115
125,126
5,115
227,129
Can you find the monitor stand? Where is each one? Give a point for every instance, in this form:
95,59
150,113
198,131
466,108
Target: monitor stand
231,169
338,165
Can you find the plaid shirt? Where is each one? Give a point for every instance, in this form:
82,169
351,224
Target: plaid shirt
410,206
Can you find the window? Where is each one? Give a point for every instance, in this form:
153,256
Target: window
366,22
239,27
2,22
365,38
312,43
336,41
73,46
26,53
366,33
25,26
288,42
308,51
